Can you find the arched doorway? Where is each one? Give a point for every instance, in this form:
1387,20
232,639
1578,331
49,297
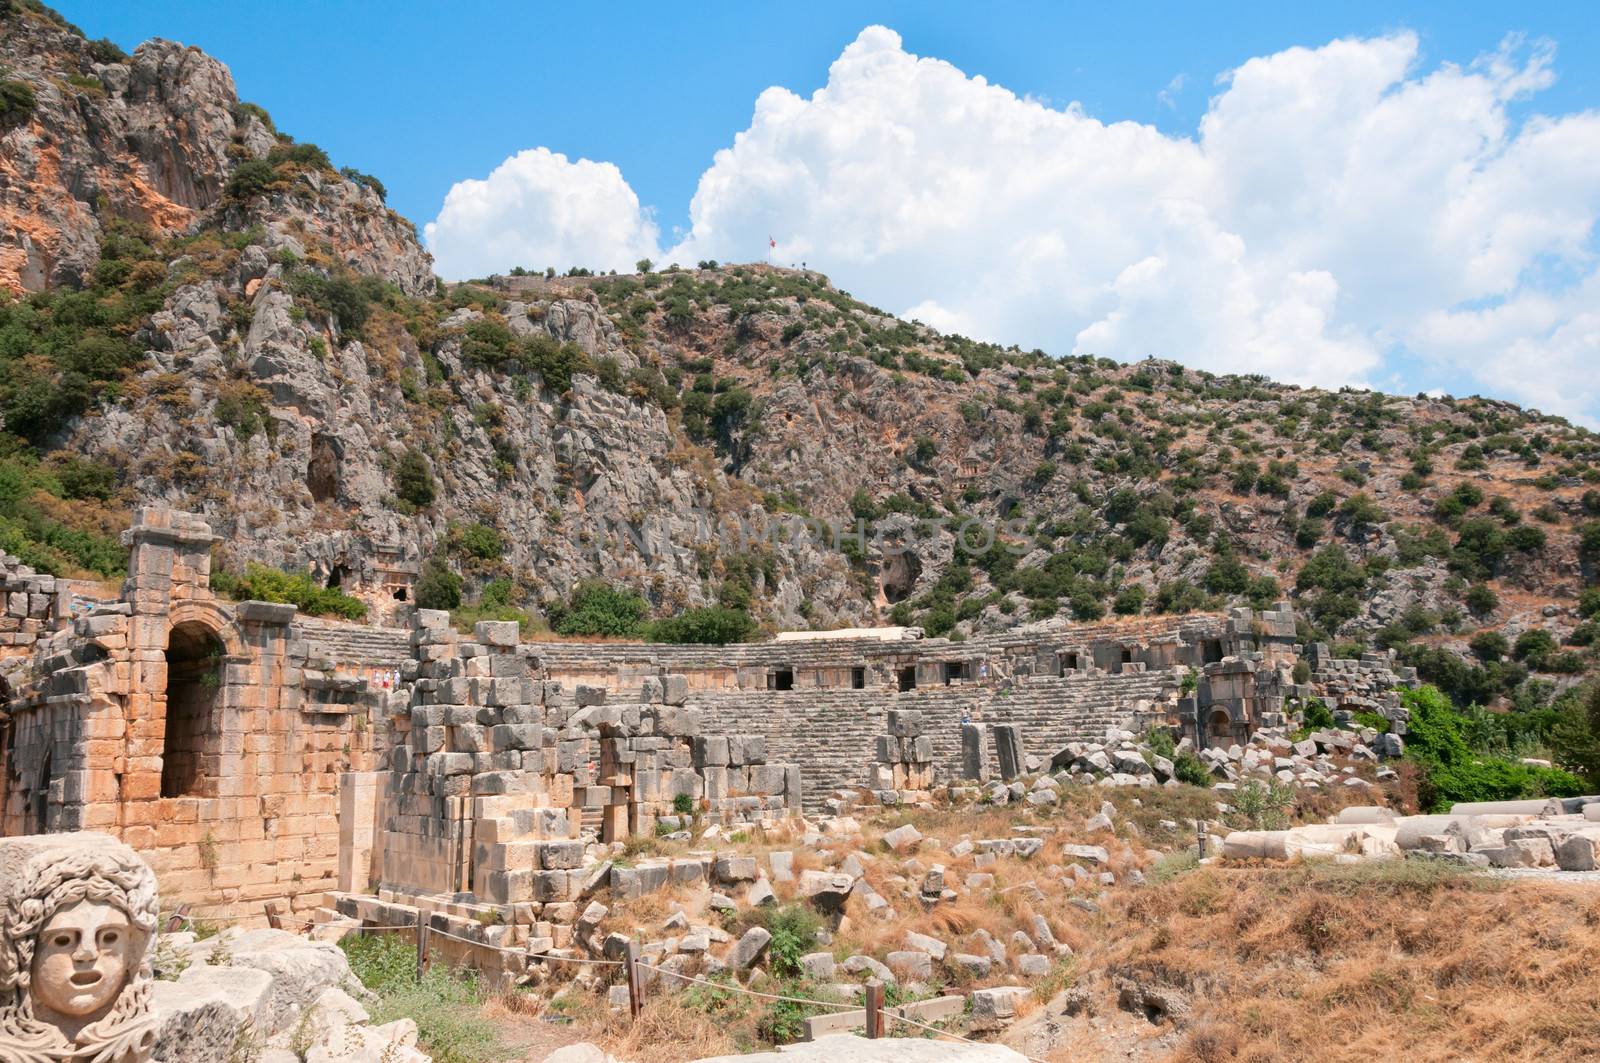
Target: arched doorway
1221,726
194,686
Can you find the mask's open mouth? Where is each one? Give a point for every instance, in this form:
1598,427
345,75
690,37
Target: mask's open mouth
85,979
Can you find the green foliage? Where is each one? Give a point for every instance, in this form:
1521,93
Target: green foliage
249,179
1575,739
1453,771
243,406
64,350
30,530
445,1004
1535,647
794,933
1316,715
364,180
413,479
1190,769
263,584
1159,740
1263,805
438,586
341,297
712,625
682,805
1489,646
1482,599
16,102
482,541
598,608
1129,601
1361,512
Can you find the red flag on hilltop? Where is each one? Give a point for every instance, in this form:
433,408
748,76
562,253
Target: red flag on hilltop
771,243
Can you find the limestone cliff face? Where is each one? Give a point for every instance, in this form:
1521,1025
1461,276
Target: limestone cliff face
302,352
153,139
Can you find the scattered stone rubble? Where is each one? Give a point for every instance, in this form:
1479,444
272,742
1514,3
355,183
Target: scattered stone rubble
1556,834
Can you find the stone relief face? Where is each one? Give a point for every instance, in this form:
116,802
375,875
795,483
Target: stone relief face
81,961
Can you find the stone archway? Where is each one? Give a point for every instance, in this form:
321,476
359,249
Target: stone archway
1221,725
194,688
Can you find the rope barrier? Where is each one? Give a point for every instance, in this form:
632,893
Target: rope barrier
524,952
742,989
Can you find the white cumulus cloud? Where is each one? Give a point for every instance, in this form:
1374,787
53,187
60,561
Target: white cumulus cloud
538,209
1337,207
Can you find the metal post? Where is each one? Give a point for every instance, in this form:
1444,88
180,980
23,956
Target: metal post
422,944
635,983
874,1008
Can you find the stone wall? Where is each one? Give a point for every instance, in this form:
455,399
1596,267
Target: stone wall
208,736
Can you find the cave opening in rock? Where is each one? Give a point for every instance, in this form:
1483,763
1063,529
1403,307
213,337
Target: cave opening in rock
900,572
322,472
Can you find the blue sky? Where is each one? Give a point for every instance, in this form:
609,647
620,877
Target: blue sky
426,95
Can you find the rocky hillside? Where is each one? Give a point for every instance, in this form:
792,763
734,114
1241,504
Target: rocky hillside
208,314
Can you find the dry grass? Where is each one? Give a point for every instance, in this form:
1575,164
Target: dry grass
1352,961
670,1028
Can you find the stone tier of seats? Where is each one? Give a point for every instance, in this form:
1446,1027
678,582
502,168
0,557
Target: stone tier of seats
356,645
831,733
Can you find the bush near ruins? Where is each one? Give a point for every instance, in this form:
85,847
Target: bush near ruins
598,608
445,1003
715,625
263,584
437,586
1453,771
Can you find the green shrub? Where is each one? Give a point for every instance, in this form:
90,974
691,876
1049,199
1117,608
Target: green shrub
1129,601
1191,769
1453,771
794,933
16,102
413,479
1489,646
482,542
343,297
711,625
598,608
263,584
1316,715
1263,805
438,587
1482,599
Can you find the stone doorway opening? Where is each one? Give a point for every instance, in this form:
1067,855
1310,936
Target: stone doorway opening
1221,726
908,679
194,688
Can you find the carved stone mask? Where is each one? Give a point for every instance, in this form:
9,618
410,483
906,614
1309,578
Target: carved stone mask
81,961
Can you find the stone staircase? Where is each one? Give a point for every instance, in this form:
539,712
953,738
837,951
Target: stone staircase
356,645
831,733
